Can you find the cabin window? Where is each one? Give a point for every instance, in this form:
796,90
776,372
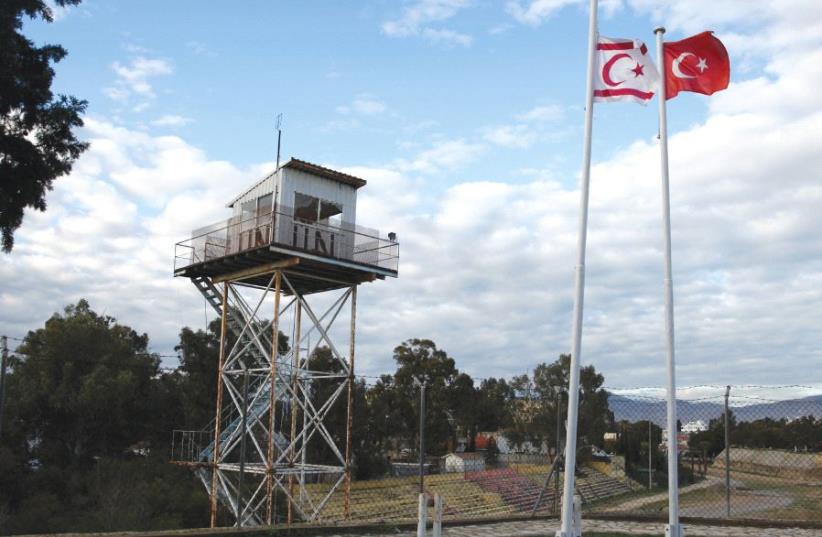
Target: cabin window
248,206
310,209
264,204
306,207
329,212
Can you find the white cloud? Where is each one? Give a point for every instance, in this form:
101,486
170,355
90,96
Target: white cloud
200,49
368,106
337,125
535,12
487,265
171,120
364,104
500,29
135,75
543,113
416,19
58,12
133,80
109,233
136,49
116,93
447,36
538,123
747,262
513,136
443,155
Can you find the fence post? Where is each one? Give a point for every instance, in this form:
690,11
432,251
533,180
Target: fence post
577,523
650,460
727,455
437,515
422,515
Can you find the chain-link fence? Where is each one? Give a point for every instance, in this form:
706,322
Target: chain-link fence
742,455
765,465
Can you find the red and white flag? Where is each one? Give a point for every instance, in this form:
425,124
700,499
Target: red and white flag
624,71
699,63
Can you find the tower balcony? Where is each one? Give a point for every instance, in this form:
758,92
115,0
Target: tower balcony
336,253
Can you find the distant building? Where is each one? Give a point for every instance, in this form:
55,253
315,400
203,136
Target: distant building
411,468
464,462
681,440
506,447
697,426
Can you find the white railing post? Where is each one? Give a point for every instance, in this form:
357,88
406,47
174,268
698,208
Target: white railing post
437,515
422,515
577,527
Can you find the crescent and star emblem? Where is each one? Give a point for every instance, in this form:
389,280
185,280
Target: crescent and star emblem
702,65
606,69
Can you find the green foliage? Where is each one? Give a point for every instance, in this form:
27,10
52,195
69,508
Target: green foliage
801,433
88,420
37,144
90,413
199,355
542,399
85,388
633,445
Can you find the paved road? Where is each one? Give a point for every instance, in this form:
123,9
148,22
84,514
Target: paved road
547,528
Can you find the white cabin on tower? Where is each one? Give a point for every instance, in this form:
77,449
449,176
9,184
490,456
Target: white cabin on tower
316,193
300,209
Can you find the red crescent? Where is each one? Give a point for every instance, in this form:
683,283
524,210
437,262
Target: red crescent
606,69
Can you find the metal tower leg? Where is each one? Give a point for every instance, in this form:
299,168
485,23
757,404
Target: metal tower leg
218,414
277,452
349,412
275,336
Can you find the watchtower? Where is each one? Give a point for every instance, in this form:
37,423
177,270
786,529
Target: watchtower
291,249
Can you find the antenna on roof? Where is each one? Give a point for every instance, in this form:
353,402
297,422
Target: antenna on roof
279,136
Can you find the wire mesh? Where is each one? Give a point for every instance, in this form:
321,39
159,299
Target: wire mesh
771,468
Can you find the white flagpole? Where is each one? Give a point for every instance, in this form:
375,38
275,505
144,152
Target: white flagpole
673,529
567,529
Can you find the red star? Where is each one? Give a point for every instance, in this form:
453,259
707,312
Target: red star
638,70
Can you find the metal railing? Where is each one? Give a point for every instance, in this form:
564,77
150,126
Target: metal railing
187,446
344,241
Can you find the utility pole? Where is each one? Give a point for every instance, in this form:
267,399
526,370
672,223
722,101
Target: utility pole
727,454
421,384
3,363
279,137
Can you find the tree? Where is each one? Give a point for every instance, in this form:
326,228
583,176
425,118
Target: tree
84,389
37,144
493,404
633,445
534,411
421,359
199,356
594,415
84,396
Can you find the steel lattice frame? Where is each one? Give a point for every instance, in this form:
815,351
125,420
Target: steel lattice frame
276,450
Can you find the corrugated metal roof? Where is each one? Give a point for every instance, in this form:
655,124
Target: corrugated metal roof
313,169
328,173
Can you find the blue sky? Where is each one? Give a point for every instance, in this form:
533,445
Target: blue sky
465,116
232,71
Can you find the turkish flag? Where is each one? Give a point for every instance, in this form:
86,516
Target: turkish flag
699,63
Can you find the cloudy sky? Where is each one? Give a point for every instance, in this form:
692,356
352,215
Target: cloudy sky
465,118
